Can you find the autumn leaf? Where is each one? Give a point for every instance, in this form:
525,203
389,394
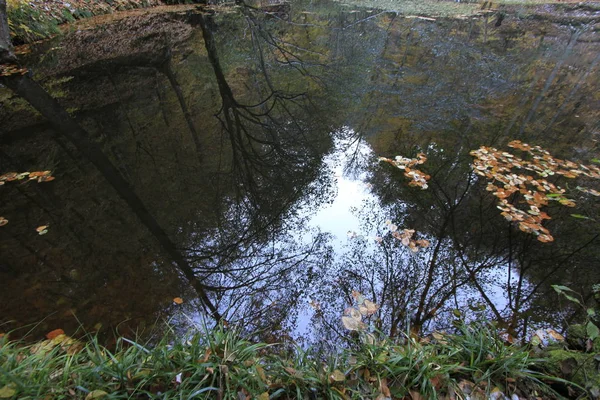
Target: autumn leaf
353,313
8,391
3,221
358,297
498,167
417,178
38,174
264,396
371,308
96,394
9,176
53,334
383,387
353,324
337,376
555,335
178,300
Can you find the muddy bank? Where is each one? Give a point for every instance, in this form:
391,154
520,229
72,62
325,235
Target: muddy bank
36,20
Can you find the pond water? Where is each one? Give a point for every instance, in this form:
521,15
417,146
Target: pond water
252,137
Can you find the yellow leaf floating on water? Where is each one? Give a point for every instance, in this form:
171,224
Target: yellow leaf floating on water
505,183
417,178
352,318
371,307
353,324
178,300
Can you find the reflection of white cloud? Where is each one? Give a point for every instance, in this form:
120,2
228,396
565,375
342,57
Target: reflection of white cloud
338,218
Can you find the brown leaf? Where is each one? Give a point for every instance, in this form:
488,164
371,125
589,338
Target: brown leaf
178,300
555,335
414,395
436,382
207,354
53,334
383,387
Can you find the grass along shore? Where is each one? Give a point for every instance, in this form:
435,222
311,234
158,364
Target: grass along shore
474,362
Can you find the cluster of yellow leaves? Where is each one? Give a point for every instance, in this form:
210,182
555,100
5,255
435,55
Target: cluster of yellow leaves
499,168
406,237
55,338
40,176
417,178
11,69
352,318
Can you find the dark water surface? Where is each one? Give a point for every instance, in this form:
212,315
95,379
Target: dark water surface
253,138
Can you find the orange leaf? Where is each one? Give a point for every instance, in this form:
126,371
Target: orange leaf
37,174
52,334
41,228
178,300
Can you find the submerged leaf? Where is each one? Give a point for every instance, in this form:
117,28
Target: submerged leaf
178,300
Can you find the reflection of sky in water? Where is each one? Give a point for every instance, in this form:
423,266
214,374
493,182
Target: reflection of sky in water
340,219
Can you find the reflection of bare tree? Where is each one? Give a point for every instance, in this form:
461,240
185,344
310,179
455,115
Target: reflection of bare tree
255,261
46,105
476,258
267,140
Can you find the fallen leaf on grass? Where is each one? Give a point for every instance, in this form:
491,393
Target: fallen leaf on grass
8,391
53,334
337,376
96,394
